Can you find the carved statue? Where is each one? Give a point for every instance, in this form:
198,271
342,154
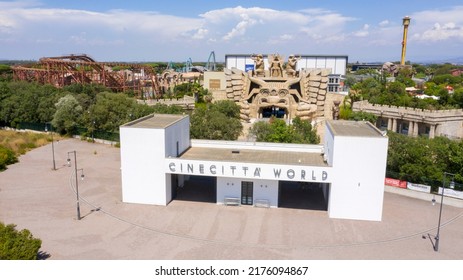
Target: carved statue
276,65
297,94
336,109
291,66
259,69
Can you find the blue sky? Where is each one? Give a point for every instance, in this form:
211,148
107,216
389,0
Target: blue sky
116,30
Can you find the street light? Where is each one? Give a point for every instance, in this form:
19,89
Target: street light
77,181
52,143
435,244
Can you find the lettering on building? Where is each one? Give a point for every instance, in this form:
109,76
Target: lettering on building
300,174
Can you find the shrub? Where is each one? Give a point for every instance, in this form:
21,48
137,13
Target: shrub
7,157
18,245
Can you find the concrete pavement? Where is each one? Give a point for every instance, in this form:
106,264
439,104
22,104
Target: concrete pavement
35,197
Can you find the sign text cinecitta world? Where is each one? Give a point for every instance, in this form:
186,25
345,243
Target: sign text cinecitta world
248,170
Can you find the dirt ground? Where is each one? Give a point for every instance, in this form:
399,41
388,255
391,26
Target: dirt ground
34,196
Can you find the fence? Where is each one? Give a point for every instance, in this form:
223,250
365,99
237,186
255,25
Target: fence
435,184
82,131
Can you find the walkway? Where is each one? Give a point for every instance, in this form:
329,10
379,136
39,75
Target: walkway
42,200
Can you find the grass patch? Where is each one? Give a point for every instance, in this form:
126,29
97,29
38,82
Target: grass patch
22,142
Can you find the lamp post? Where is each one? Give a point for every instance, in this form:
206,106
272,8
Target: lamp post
52,143
435,244
77,181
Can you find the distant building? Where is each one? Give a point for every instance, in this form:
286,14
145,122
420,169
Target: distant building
359,66
415,122
456,72
336,63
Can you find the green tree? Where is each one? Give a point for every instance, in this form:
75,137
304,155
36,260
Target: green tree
18,245
457,98
110,111
27,102
304,132
261,131
277,131
214,122
191,89
228,108
68,111
162,109
423,160
5,69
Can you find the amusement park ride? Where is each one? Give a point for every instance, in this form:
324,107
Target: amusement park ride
82,69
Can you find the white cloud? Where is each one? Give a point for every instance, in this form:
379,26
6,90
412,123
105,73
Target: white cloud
6,25
364,32
286,37
144,34
438,25
384,23
241,27
200,34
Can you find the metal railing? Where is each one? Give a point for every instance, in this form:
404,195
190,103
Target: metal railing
78,130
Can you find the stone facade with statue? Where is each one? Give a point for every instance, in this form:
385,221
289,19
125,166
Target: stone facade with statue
280,90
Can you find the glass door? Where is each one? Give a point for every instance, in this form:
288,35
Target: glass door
246,193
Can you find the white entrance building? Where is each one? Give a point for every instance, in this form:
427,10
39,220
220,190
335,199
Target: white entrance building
158,159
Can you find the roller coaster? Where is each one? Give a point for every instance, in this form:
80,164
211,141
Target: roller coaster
141,79
82,69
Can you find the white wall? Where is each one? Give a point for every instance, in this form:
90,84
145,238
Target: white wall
328,148
262,189
357,189
228,187
337,64
179,131
268,190
142,151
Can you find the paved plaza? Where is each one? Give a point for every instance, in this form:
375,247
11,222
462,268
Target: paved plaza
34,196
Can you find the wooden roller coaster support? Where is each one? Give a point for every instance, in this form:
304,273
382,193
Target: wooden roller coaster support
81,69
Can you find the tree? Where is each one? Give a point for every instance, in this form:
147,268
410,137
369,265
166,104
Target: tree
423,160
228,108
216,121
18,245
162,109
305,132
110,111
68,111
191,89
277,131
27,102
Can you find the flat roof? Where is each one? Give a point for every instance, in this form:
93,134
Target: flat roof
254,156
302,55
155,121
353,128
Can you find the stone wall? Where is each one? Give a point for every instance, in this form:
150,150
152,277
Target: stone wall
447,123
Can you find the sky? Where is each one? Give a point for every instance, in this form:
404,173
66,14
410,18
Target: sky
146,30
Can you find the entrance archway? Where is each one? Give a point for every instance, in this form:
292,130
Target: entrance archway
267,112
